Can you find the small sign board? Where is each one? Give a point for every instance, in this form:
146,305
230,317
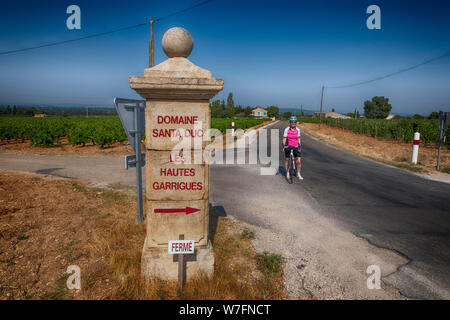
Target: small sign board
181,247
130,161
131,113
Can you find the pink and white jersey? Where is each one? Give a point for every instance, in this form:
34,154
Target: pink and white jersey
292,136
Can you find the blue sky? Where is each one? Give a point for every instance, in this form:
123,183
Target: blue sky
268,52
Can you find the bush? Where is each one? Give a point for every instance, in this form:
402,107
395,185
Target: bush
270,262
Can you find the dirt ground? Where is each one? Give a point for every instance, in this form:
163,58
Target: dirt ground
390,152
48,224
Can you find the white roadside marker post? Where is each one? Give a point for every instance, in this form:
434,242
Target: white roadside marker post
415,149
232,129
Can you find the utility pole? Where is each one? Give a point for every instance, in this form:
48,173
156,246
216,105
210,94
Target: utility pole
301,111
321,101
151,46
355,114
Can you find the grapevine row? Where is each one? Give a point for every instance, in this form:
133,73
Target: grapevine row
395,129
102,131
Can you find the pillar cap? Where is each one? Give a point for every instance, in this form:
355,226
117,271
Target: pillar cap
177,42
177,77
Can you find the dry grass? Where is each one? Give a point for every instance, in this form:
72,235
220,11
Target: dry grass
388,151
47,225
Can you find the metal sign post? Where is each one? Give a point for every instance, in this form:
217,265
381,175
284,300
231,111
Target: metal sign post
133,120
443,124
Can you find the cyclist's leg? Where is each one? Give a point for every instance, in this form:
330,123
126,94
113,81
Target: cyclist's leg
298,160
286,160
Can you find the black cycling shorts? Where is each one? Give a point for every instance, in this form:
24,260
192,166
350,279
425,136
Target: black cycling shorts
287,152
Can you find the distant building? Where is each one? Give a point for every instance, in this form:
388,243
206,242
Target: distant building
259,113
40,115
332,115
391,116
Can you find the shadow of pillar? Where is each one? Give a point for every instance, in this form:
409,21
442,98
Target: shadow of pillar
214,213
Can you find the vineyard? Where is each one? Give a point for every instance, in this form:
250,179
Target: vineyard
102,131
395,129
224,124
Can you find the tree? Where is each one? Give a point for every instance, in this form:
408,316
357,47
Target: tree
217,109
332,109
287,115
434,115
8,110
230,101
228,113
418,116
248,111
378,108
273,111
239,110
230,109
354,114
14,112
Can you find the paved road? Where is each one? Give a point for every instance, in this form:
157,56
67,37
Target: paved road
391,208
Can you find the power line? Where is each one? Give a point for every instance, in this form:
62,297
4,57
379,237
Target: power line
76,39
184,10
393,73
103,33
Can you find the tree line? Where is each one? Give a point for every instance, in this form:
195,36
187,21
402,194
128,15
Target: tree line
220,109
20,111
379,108
56,111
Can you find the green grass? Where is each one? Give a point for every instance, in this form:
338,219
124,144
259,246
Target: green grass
61,292
270,262
69,251
248,234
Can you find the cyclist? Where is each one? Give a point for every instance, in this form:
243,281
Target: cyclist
292,141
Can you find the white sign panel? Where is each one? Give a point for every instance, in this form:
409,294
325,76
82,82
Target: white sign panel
181,246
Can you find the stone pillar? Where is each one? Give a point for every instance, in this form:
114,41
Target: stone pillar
177,95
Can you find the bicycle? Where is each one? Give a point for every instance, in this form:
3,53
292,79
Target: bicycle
292,167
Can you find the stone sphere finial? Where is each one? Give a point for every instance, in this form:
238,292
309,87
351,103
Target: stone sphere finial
177,42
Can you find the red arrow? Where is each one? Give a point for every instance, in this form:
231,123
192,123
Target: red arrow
187,210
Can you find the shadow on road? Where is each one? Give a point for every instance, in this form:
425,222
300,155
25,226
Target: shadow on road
47,170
